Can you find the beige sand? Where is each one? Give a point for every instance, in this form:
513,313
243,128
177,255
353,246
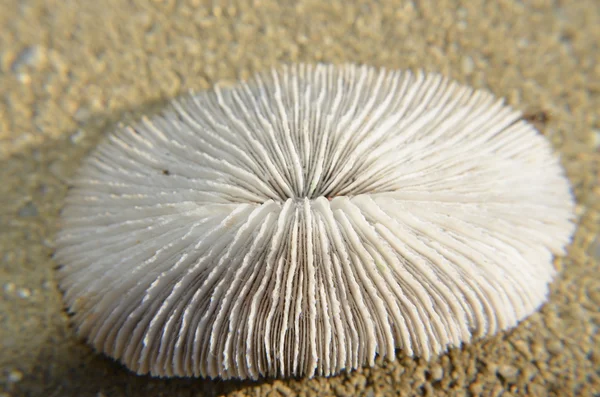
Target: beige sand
69,70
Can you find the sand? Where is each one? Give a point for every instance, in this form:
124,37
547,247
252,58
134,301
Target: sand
70,70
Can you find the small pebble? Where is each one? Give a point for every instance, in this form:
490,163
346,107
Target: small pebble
23,293
15,376
30,56
468,66
476,389
555,347
437,373
24,78
78,136
508,372
10,288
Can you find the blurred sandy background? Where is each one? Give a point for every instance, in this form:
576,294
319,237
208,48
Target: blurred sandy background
69,70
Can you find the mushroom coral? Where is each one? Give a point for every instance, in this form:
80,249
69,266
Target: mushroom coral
308,220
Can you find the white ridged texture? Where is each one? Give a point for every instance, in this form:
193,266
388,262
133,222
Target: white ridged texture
306,221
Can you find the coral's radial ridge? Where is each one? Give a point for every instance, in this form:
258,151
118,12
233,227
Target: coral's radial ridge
306,221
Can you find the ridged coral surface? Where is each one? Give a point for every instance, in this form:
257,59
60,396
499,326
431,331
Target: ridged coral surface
308,220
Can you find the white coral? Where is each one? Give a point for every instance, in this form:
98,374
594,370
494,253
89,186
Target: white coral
304,222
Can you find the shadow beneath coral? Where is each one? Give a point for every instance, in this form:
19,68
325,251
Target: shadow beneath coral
75,370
